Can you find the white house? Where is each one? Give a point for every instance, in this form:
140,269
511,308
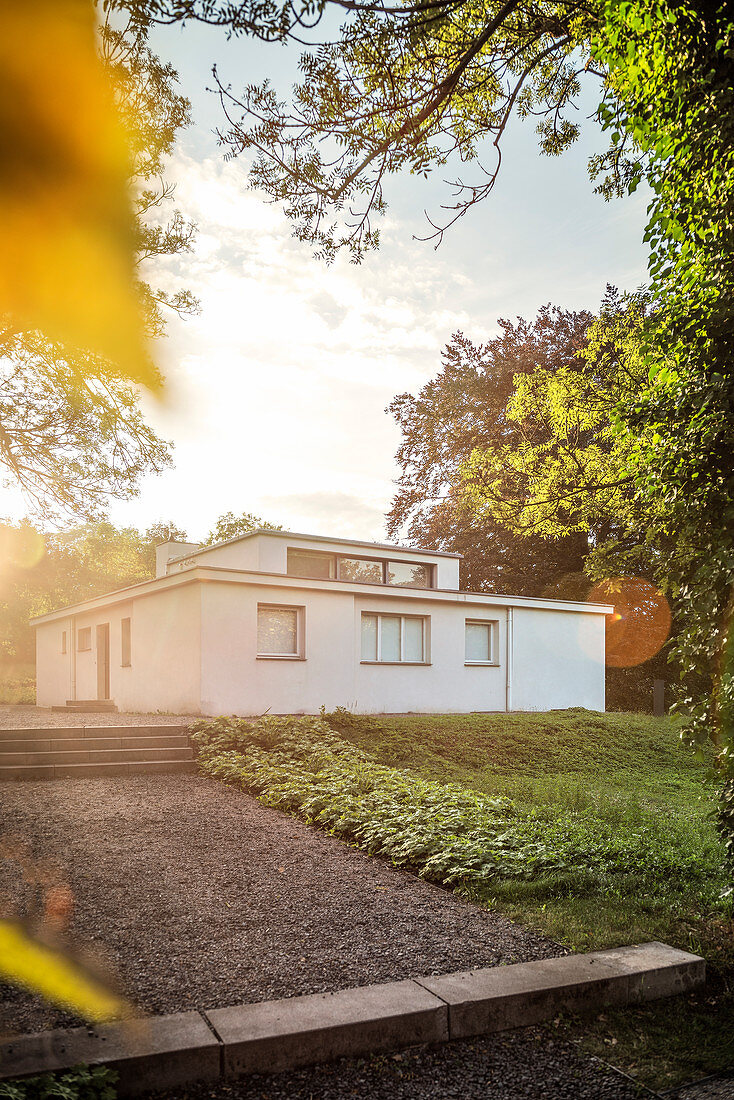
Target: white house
280,622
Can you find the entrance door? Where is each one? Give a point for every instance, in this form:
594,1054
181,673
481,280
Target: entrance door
103,661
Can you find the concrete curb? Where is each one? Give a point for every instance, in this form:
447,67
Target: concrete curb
271,1036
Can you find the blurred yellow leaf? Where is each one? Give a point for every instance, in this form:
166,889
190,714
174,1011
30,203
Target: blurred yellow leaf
66,224
47,971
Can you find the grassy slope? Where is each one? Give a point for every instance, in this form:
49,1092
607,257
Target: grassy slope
627,770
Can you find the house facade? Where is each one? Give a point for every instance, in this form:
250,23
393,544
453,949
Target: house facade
284,623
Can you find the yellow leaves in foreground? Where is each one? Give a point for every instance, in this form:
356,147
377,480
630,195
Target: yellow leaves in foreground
54,975
67,262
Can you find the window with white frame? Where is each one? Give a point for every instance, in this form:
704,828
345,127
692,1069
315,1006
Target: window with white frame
84,639
279,631
394,639
481,638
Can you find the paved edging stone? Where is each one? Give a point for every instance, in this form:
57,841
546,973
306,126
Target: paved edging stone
497,998
298,1031
271,1036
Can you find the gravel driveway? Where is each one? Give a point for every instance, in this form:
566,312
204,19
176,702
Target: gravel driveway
23,717
201,897
529,1064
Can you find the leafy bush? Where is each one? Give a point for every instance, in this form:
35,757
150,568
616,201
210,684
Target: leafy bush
447,832
17,683
80,1083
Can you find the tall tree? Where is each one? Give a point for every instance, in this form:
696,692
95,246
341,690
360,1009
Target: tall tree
405,87
42,571
71,431
460,413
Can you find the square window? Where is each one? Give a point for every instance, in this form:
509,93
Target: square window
84,639
480,642
394,639
278,631
125,648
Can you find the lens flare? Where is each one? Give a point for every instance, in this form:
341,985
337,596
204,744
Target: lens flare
640,623
20,546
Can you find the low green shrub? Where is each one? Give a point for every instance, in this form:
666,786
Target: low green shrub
447,832
17,683
80,1083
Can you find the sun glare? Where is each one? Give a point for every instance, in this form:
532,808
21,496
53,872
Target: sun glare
640,623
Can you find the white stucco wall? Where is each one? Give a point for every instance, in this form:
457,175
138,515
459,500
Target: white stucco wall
558,657
53,668
194,648
165,672
558,660
447,684
269,554
236,680
165,669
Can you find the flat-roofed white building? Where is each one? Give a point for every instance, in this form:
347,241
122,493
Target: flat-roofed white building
285,623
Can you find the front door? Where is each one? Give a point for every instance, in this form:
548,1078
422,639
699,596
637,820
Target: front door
103,661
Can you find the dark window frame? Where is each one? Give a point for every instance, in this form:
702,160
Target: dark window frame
384,564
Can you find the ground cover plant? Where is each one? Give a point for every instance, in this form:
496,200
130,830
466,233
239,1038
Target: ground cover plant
596,829
80,1083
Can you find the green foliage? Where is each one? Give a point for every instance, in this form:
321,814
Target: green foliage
17,682
671,91
80,1083
453,832
42,571
400,88
229,526
73,435
563,467
463,411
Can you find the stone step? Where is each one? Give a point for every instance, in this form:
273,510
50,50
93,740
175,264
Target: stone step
94,756
89,744
86,771
41,733
87,705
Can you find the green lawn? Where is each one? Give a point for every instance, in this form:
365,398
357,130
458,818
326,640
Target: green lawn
595,829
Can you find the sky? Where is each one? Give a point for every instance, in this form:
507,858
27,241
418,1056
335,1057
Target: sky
276,393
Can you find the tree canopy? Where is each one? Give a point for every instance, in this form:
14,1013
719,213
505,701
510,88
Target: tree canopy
71,431
402,87
229,526
463,412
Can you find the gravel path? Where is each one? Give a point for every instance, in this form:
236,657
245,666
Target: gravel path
720,1087
22,717
520,1065
201,897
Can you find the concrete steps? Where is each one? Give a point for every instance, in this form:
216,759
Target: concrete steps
91,705
79,751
